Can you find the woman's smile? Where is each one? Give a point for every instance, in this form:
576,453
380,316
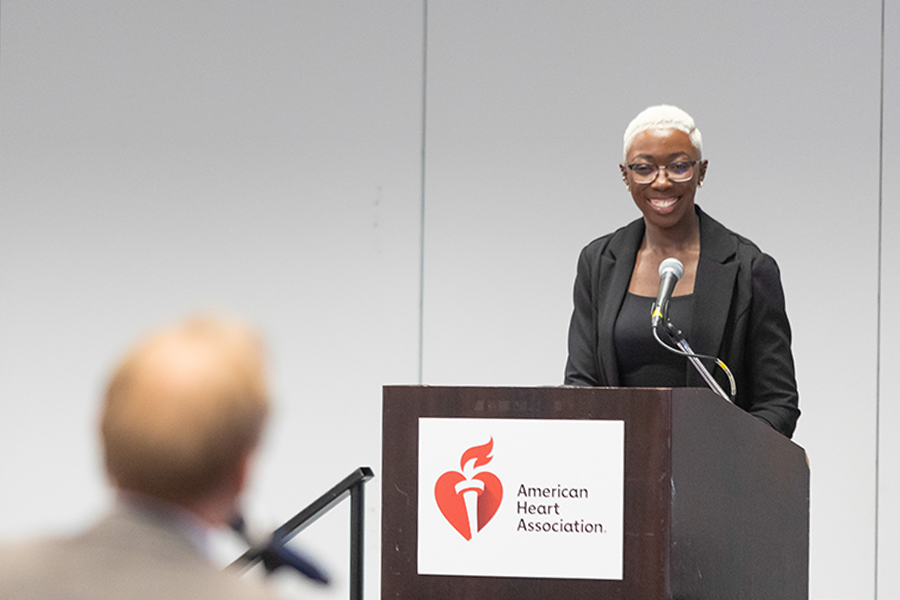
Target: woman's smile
663,205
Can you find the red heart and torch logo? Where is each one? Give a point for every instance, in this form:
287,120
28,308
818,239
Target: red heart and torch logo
470,499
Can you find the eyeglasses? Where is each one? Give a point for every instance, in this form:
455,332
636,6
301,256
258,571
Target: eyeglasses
677,172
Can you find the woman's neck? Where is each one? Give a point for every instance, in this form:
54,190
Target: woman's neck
680,239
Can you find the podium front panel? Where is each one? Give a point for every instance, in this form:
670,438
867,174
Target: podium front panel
647,418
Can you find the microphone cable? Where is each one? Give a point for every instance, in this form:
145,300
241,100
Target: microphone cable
691,355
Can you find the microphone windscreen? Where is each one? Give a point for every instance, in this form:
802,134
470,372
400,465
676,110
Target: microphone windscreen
671,265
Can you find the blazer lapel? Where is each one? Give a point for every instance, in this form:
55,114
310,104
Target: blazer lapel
713,289
616,266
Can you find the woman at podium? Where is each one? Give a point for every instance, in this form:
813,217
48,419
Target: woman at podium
729,303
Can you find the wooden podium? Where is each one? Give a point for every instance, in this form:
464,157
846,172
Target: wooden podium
716,502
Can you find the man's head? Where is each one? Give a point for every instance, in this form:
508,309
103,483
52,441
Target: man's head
183,413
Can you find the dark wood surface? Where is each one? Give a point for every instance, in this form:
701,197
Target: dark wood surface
692,465
740,505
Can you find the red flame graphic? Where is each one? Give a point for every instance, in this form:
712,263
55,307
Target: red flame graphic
481,454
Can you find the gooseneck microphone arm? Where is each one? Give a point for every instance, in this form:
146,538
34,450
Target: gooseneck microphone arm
670,271
695,360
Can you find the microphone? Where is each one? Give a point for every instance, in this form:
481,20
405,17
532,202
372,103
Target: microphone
275,555
670,271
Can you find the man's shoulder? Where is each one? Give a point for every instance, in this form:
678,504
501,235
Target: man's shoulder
28,569
104,563
20,556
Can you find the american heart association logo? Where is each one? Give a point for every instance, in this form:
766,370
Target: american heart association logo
469,500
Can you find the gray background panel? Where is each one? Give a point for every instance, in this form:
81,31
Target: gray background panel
889,455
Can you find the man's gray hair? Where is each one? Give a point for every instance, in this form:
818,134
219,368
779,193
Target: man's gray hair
663,116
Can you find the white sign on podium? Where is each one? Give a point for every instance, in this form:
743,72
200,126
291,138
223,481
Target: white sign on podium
521,498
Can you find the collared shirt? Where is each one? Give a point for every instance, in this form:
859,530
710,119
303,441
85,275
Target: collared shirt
195,528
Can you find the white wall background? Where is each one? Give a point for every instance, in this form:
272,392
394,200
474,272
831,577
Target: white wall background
160,157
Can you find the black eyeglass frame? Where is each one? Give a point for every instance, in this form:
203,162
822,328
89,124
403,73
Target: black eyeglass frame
632,166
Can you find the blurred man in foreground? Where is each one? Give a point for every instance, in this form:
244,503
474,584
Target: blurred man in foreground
182,416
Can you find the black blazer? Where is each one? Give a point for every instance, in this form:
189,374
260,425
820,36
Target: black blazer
738,316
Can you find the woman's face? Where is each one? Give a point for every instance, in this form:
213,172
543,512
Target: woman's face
664,203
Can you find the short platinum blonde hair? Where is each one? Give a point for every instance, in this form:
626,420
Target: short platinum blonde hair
663,116
184,408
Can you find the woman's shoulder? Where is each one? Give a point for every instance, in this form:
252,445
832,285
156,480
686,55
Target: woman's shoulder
725,240
625,238
722,244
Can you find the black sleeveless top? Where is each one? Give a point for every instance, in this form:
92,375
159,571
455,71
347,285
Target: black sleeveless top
641,360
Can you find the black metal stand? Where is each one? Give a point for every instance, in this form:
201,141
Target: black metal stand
352,485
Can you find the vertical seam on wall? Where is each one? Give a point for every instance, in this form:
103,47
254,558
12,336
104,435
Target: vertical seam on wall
422,191
878,310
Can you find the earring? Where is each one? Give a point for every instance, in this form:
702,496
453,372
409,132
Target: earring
700,184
